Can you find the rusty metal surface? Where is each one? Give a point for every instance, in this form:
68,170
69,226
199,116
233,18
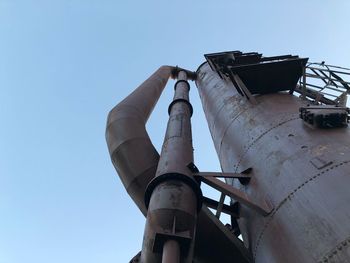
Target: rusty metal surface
310,220
127,138
177,150
174,196
171,252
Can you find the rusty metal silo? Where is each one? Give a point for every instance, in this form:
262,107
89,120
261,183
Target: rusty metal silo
302,171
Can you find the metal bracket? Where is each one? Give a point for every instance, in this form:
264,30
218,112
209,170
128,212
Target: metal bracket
243,87
325,116
183,238
180,100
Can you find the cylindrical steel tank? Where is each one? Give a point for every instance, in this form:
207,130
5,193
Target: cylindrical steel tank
303,172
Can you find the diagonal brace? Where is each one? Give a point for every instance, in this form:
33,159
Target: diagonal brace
243,177
225,208
238,195
223,175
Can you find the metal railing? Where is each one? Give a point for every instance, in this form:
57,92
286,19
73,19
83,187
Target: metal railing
325,84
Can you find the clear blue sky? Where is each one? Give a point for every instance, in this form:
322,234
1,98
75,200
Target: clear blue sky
65,64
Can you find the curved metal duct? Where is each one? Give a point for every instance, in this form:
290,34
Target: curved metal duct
132,152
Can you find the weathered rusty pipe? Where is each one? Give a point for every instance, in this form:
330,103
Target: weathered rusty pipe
173,196
132,152
171,252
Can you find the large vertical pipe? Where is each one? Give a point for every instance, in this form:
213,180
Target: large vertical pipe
177,150
173,197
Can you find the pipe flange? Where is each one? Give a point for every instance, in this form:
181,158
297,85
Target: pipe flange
174,176
180,100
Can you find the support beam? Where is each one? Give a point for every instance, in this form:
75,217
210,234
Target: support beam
243,87
222,175
244,177
225,208
220,204
238,195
